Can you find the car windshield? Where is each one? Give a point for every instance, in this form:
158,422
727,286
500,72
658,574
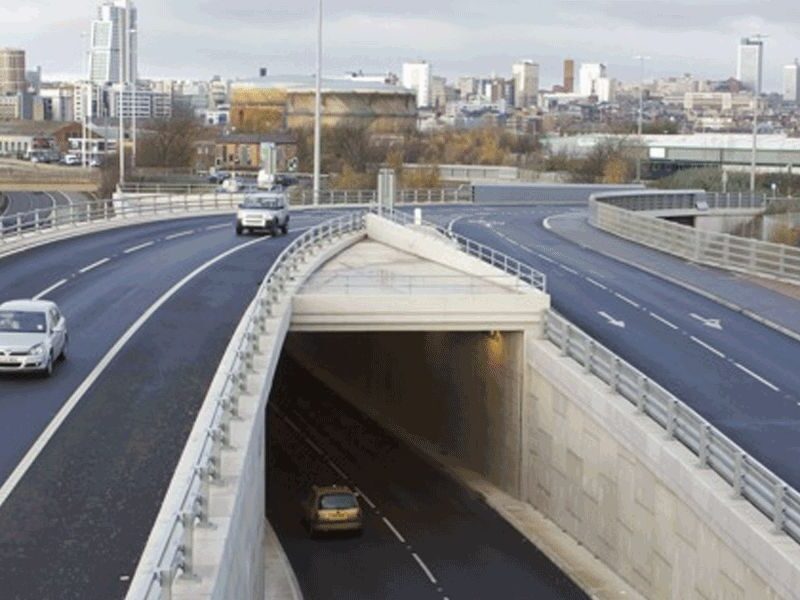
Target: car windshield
13,321
337,501
272,203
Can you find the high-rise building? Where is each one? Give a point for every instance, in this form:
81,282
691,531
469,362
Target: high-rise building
417,76
12,71
569,76
750,63
526,83
113,36
791,82
587,78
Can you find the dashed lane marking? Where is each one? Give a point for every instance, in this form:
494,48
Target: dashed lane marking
180,234
94,265
366,498
569,269
627,300
220,226
708,347
596,283
664,321
393,529
133,249
425,568
52,288
757,377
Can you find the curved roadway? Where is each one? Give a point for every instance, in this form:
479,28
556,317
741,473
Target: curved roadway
737,373
150,309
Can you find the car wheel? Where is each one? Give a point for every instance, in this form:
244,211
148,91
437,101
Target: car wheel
48,369
285,228
63,355
273,230
239,230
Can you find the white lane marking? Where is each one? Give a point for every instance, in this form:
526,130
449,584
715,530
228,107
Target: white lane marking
94,265
137,248
544,257
396,533
569,269
664,321
708,347
546,223
758,377
611,320
626,299
181,234
424,567
314,446
335,467
596,283
213,227
365,498
53,287
712,323
64,412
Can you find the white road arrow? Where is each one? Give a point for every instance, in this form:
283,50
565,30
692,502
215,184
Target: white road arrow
712,323
611,320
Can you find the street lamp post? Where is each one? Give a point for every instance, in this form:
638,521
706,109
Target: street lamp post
123,46
135,79
318,109
85,98
641,60
756,97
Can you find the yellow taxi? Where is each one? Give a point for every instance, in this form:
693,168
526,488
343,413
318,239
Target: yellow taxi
332,508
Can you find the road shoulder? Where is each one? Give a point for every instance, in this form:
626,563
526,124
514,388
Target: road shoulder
281,582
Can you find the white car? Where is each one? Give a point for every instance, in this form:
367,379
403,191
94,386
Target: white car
267,211
33,336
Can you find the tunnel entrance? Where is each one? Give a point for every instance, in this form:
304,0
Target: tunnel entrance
345,408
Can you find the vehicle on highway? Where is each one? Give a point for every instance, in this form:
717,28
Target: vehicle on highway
33,336
267,211
71,160
332,508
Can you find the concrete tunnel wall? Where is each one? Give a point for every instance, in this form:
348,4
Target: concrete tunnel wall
460,391
535,425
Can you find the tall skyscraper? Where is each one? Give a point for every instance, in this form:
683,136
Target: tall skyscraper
569,76
587,78
110,42
791,82
12,71
417,76
750,63
526,83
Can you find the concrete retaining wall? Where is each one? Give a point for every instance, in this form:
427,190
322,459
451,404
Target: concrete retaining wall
527,193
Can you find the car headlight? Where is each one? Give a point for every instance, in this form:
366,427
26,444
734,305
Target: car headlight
37,350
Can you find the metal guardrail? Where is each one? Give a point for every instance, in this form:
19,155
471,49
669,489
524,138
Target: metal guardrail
176,546
748,478
511,266
622,214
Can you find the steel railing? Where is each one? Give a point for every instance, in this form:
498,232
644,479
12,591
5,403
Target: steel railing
175,548
511,266
748,478
624,215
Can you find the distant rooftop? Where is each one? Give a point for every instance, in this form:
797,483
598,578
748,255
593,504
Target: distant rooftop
306,83
45,128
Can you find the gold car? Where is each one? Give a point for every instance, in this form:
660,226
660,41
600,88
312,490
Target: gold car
332,508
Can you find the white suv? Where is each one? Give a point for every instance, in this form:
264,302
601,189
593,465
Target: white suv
33,335
268,211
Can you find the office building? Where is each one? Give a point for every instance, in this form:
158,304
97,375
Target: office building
569,76
417,76
58,102
594,82
791,83
750,63
12,71
526,83
112,37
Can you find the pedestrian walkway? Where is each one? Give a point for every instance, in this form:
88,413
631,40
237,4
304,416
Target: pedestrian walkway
736,291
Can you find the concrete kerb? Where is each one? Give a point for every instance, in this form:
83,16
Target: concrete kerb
795,335
281,580
215,546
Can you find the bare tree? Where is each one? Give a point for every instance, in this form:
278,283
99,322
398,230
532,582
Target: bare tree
169,142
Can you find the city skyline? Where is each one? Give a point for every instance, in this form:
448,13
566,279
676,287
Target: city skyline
183,41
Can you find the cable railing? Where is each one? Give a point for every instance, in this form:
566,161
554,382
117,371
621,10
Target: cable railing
747,478
175,548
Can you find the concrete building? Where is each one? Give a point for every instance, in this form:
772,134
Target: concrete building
58,102
791,82
750,63
16,106
468,87
149,104
20,138
569,76
243,151
438,92
110,41
526,83
12,71
593,80
278,103
418,76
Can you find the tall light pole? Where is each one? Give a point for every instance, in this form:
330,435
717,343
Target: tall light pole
85,99
641,60
123,47
135,79
318,109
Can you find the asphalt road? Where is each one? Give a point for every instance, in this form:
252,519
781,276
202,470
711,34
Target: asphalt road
739,374
75,523
425,537
19,206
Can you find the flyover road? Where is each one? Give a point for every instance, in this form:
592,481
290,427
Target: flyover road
740,375
425,537
20,205
86,456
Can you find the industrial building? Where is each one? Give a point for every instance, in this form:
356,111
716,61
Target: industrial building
280,103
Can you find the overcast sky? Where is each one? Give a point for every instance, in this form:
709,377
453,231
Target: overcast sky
200,38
